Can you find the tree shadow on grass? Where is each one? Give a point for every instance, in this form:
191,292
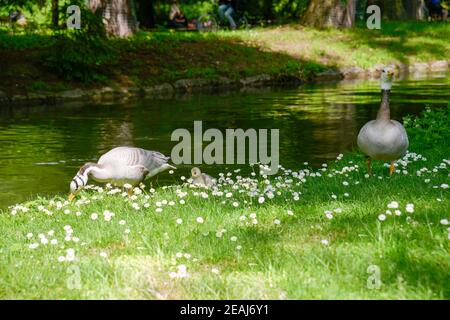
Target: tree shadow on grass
404,39
169,56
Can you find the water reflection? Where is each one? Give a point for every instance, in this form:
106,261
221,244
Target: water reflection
43,146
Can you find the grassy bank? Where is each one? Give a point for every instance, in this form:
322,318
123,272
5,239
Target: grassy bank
317,233
41,62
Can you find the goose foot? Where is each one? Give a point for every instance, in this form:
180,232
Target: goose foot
391,168
130,192
369,165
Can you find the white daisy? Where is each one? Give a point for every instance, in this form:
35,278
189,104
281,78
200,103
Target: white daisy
393,205
199,220
215,270
410,208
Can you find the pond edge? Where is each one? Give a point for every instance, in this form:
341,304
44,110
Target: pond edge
221,84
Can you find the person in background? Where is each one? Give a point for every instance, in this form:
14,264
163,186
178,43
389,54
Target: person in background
226,10
435,9
17,17
176,16
445,8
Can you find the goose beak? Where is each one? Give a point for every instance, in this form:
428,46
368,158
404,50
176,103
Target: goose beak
71,196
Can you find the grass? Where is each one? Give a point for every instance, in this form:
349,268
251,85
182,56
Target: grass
395,42
294,251
152,58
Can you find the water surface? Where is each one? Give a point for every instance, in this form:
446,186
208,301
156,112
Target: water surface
42,147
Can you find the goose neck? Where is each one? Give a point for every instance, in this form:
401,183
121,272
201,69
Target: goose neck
384,113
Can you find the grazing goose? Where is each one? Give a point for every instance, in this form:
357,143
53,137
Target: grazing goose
202,179
120,166
383,139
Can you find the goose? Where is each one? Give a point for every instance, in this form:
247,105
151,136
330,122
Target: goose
383,139
202,179
120,166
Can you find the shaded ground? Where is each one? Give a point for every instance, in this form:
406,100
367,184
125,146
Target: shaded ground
158,57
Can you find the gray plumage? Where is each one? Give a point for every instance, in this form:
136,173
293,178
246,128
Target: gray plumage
199,178
128,157
383,140
122,165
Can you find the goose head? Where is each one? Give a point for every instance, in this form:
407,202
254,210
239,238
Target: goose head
80,180
387,76
195,172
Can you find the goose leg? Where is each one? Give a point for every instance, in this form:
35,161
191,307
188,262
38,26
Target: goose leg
369,165
392,168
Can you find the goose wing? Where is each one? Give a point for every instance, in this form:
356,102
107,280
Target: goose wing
131,156
209,181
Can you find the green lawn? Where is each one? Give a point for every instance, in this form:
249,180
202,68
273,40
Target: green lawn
322,235
405,42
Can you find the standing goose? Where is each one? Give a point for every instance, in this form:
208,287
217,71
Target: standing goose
120,166
202,179
383,139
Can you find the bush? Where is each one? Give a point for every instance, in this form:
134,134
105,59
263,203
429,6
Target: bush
82,54
430,129
80,58
289,9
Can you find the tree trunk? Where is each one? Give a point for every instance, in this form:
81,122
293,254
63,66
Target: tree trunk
145,13
390,9
118,15
415,9
55,14
267,10
330,13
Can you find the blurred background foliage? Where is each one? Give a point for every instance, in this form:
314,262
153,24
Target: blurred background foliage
258,11
154,13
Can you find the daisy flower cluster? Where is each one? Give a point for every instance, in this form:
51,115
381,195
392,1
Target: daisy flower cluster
18,208
243,194
329,214
49,239
69,257
181,272
395,210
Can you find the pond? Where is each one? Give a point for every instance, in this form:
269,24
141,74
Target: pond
42,147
